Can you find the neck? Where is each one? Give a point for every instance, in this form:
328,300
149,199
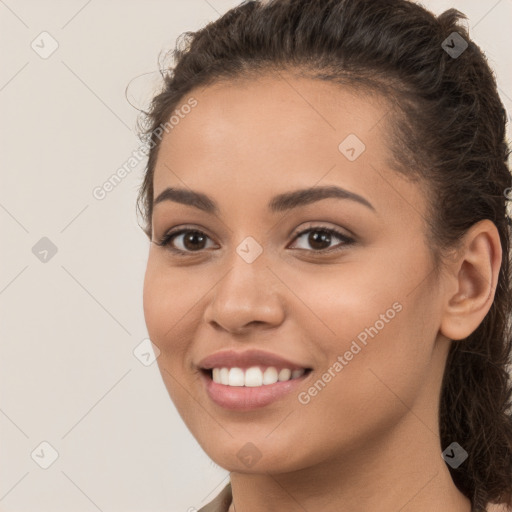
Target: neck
402,471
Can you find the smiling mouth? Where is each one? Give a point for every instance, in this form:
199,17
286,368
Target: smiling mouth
254,376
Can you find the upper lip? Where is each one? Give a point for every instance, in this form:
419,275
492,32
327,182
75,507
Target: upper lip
246,359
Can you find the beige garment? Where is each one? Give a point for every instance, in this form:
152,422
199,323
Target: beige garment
221,502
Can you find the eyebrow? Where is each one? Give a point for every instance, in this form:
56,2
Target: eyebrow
279,203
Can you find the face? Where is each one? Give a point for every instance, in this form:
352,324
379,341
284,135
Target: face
352,299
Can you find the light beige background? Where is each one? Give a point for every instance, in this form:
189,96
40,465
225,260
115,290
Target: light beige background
69,326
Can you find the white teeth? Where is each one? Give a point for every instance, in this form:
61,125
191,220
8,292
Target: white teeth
253,376
224,376
236,377
285,374
270,376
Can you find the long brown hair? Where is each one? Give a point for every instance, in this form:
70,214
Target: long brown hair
448,132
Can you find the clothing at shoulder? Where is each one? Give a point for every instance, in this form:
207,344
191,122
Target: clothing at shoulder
221,502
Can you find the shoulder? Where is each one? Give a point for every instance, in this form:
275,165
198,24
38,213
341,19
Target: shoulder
222,501
492,507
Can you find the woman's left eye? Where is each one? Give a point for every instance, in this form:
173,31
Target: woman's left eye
318,236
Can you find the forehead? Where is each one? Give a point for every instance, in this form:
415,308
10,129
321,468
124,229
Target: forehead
249,139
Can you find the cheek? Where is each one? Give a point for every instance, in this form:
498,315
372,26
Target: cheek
163,301
372,390
153,299
173,301
382,325
387,361
165,312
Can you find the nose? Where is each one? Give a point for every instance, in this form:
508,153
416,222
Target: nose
249,293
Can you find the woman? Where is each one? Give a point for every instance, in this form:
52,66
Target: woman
329,275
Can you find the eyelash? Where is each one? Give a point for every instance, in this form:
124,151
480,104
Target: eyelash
165,241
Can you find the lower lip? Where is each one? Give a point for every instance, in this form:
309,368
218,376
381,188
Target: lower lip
247,398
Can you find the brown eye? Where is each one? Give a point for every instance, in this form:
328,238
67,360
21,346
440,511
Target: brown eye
194,240
191,240
320,238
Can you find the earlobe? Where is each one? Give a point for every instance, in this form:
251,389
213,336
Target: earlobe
475,275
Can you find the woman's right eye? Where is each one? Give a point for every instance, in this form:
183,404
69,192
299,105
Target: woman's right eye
189,237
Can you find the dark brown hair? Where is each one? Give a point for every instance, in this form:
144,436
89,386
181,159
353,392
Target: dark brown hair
447,132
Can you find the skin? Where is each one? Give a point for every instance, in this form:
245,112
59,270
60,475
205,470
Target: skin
369,440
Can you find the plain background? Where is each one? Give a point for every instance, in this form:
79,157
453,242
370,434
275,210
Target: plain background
69,325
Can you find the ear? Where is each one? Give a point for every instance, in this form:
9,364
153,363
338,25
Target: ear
471,281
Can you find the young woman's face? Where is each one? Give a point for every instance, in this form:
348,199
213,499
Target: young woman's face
361,310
